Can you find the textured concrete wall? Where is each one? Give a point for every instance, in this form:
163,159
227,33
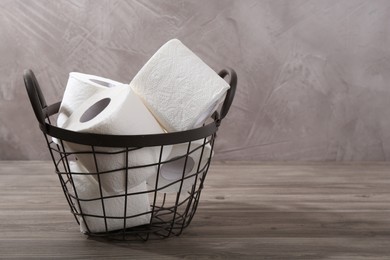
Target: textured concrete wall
313,75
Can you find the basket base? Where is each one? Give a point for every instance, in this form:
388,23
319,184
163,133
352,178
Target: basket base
142,233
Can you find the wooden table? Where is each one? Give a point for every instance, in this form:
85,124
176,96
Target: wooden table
247,211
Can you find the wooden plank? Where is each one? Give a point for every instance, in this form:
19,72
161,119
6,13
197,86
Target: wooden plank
247,211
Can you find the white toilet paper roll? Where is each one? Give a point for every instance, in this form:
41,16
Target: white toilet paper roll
88,189
178,87
79,88
117,111
172,171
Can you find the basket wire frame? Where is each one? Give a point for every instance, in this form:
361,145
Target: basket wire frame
170,213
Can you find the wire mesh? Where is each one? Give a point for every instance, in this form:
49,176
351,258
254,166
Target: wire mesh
168,212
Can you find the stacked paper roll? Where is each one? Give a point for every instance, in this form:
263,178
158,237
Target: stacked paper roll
178,87
89,202
116,111
174,91
79,88
181,169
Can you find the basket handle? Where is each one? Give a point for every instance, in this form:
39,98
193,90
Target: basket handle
35,95
218,116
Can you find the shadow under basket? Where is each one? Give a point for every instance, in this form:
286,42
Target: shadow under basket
139,209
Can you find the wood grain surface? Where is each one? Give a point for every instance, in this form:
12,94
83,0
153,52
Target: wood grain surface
247,211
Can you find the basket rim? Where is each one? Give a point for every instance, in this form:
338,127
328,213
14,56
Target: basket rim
106,140
43,113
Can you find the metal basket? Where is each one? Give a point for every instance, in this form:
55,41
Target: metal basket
167,213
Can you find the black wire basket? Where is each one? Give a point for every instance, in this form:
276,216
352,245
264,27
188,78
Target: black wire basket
157,208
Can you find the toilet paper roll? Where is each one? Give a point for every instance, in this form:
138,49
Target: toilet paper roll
88,189
178,87
117,111
79,88
172,171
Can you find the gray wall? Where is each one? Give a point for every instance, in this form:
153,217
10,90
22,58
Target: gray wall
313,75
